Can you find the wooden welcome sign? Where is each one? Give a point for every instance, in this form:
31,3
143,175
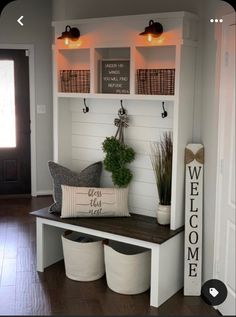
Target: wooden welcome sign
194,160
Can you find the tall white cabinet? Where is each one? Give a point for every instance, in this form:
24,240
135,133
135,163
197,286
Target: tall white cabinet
78,136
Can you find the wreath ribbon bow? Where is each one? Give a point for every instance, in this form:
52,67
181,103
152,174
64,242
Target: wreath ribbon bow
190,156
121,123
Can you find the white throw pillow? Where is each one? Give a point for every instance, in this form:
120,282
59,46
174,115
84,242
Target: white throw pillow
94,202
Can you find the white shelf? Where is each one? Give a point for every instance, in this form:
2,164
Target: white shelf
77,138
116,96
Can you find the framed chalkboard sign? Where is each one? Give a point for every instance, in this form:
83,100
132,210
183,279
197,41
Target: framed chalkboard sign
115,76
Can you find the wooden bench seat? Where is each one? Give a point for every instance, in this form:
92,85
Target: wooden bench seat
137,226
166,245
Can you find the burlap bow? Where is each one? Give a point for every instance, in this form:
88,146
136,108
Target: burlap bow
121,123
190,156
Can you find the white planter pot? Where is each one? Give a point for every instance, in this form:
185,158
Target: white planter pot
163,214
127,274
84,261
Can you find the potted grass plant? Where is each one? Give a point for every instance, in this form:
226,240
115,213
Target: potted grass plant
161,158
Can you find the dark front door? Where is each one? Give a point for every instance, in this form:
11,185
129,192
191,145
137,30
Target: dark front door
15,170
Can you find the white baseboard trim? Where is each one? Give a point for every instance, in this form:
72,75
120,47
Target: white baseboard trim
44,192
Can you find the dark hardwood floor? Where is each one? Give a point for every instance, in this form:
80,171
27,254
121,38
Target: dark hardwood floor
23,291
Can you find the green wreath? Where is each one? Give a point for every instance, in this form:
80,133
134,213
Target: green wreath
117,156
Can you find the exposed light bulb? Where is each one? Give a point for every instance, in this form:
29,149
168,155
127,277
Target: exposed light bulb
67,41
75,44
149,37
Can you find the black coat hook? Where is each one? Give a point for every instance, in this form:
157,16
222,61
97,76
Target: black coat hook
164,113
86,109
122,109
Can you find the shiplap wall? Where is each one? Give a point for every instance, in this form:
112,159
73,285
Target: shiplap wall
86,132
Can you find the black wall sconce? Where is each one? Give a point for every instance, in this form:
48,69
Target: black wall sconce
154,29
70,33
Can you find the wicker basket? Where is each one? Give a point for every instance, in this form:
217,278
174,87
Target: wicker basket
84,257
127,268
75,81
156,81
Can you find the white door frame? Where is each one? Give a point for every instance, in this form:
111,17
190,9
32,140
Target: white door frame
219,160
30,48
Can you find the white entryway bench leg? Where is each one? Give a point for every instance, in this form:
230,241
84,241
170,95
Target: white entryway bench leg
49,245
154,276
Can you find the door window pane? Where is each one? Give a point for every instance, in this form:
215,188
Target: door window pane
7,105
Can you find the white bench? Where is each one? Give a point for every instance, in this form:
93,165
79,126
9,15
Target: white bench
166,245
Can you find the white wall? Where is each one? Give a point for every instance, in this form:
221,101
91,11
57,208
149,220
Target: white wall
36,31
145,126
76,9
209,123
